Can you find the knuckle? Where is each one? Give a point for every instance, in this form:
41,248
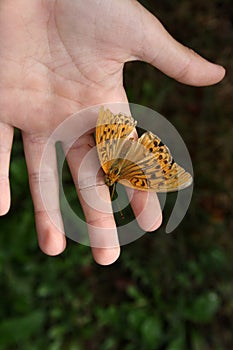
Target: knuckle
42,176
89,182
4,179
100,221
37,139
183,71
5,149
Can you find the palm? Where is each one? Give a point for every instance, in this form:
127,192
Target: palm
60,73
58,57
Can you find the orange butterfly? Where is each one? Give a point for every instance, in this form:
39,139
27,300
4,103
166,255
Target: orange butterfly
145,164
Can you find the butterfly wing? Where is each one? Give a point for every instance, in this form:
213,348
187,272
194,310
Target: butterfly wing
149,166
111,131
146,164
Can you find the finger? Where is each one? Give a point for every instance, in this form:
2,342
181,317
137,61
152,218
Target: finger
145,205
6,138
95,200
146,208
153,44
43,180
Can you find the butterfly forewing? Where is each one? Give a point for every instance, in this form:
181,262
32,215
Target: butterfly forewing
110,126
110,131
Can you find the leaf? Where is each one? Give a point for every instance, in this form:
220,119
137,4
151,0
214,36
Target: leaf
20,329
151,331
203,308
177,343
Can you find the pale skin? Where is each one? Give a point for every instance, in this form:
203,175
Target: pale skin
60,56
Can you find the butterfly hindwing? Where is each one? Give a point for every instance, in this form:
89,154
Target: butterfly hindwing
172,175
150,166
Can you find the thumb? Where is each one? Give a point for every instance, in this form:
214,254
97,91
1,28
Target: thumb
153,44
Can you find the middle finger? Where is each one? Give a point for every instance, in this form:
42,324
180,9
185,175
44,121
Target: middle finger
94,198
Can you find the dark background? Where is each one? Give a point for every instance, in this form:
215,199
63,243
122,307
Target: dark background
172,292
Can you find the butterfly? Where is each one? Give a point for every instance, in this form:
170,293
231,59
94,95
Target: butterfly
144,164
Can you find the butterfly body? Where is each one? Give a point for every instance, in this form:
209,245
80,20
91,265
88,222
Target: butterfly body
113,174
143,164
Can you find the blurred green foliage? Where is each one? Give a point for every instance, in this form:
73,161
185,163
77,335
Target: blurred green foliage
170,292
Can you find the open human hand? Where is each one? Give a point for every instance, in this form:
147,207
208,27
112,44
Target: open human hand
60,56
